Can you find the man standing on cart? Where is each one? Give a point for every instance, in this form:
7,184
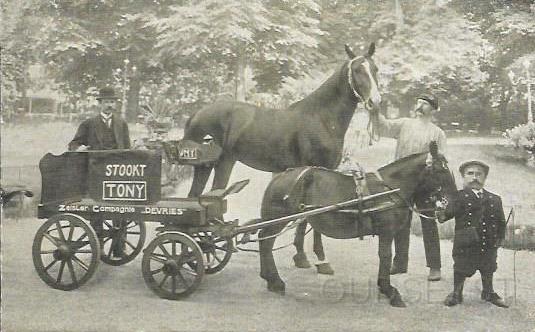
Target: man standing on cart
413,135
105,131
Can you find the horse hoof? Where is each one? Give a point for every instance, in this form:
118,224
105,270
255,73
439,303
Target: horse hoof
301,261
395,299
324,268
277,287
397,302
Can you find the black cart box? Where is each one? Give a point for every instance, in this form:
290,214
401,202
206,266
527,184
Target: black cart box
114,176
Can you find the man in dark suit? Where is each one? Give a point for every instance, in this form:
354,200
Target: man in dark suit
479,231
106,131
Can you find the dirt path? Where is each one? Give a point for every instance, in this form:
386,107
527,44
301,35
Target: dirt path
116,299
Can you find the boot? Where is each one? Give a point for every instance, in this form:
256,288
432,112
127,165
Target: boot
456,297
434,275
488,293
494,299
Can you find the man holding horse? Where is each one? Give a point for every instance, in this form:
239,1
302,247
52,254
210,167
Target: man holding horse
413,135
479,231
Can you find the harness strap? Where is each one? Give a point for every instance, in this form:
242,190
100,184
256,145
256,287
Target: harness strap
350,80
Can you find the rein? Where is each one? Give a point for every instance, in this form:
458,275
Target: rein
411,206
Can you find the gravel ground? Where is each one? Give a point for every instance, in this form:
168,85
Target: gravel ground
116,299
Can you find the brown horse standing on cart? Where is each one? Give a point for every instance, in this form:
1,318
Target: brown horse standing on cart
309,133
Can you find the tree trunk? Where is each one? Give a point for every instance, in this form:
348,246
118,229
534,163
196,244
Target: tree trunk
485,118
504,118
399,14
240,77
133,98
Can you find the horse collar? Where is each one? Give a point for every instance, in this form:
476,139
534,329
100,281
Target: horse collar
350,81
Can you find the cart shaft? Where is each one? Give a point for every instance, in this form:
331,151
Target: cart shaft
253,227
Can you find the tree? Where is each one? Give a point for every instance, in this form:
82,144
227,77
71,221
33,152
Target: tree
509,27
274,35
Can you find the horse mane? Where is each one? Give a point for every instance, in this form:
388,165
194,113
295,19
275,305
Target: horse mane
397,170
398,164
326,91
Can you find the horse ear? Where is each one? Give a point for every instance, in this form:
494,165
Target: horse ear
433,148
349,52
371,49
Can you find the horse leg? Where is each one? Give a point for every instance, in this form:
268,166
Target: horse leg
385,263
222,172
200,177
322,266
300,258
268,268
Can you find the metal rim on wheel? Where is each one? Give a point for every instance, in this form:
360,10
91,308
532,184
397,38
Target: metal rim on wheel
122,241
167,265
216,250
65,251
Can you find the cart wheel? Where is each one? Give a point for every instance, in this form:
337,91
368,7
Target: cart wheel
216,251
122,241
166,265
65,252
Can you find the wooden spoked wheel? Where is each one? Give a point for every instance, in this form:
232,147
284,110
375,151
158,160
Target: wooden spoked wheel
217,251
173,265
65,252
121,240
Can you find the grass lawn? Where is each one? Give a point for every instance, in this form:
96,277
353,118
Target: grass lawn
22,146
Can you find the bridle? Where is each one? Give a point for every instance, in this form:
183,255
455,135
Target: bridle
435,197
352,85
371,127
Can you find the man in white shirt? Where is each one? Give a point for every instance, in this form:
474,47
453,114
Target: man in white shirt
413,135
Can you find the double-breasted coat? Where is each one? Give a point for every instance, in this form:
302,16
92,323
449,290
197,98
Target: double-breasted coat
486,215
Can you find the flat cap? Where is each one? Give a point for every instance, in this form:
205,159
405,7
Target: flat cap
430,98
474,162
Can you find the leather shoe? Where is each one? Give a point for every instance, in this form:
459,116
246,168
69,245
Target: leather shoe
453,298
494,299
434,275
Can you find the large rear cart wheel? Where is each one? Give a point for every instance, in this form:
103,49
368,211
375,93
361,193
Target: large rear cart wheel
122,241
173,265
65,251
217,251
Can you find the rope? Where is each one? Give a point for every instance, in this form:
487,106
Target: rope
371,128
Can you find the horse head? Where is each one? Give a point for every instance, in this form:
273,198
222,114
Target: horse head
436,182
362,77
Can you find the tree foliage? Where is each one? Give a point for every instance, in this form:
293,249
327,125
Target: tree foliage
469,52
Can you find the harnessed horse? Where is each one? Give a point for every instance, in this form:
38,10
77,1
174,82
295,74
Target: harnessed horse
423,179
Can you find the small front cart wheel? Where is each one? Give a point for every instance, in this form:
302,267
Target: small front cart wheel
217,251
167,265
122,241
65,251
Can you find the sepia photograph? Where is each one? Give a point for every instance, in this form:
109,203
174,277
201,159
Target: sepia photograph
267,165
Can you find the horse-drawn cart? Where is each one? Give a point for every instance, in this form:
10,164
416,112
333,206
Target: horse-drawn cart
97,203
